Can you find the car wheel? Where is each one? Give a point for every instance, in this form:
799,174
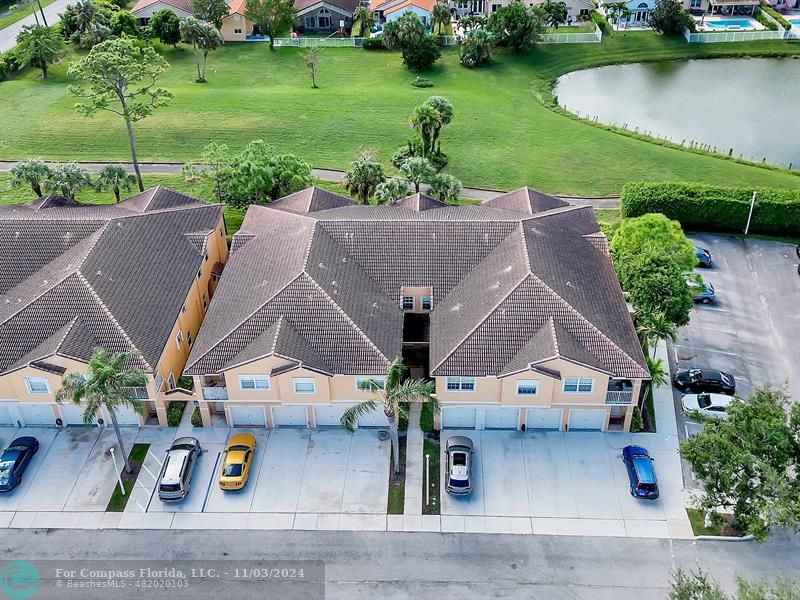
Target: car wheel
706,301
18,480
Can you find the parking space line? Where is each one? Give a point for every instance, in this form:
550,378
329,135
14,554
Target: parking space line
149,472
139,505
155,484
210,482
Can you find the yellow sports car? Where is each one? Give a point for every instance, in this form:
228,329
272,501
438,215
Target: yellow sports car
238,458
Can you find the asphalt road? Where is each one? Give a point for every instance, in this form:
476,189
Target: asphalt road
8,35
419,565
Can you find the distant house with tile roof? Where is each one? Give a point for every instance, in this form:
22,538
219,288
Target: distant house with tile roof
134,276
512,307
144,9
391,10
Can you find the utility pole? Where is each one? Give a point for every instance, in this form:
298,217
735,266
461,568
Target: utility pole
41,10
750,216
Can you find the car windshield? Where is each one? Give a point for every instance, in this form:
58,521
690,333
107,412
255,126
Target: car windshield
170,487
183,447
232,470
459,459
459,482
5,470
704,401
238,448
649,487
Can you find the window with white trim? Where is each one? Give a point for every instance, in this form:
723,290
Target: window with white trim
460,384
304,385
179,339
527,387
37,385
408,302
253,382
426,302
171,382
578,385
365,384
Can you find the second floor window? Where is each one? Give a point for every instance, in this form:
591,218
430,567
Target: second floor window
179,339
366,384
578,385
408,302
37,385
427,302
461,384
304,385
253,382
527,387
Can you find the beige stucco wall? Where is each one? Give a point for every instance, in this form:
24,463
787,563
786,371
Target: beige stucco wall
416,292
232,22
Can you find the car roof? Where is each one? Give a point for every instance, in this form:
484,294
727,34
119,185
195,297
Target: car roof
644,469
186,440
174,468
712,374
459,440
25,440
242,439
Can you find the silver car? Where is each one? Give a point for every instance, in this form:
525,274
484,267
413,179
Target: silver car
176,476
459,465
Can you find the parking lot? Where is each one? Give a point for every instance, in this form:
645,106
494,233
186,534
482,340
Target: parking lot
753,329
566,475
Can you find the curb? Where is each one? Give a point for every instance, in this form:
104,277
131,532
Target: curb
724,538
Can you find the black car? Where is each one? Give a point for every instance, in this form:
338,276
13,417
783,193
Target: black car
14,460
704,380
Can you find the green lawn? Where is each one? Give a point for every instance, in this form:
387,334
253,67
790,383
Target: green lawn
506,133
22,11
118,501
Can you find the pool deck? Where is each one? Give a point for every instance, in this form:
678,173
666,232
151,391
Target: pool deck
703,23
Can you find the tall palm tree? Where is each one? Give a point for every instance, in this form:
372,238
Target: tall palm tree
417,170
615,11
391,396
445,109
426,121
104,384
34,172
362,17
652,327
658,374
204,38
85,13
67,179
440,17
363,177
116,178
555,13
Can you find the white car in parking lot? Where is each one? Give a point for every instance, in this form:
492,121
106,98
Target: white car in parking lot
708,405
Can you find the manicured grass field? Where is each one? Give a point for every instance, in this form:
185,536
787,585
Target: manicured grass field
506,132
10,17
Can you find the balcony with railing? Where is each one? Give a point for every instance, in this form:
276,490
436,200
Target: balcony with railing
214,388
620,391
137,393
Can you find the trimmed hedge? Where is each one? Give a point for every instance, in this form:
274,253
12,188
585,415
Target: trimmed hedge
601,21
707,207
373,44
775,15
771,25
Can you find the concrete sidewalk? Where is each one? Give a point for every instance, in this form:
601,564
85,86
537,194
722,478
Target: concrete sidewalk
414,466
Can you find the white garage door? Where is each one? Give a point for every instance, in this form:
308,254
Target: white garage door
587,420
247,416
543,418
458,418
289,416
377,418
72,414
126,415
37,414
6,420
330,415
501,418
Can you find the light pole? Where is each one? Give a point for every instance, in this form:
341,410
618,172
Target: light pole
750,215
41,10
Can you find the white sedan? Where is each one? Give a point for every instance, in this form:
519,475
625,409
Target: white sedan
708,405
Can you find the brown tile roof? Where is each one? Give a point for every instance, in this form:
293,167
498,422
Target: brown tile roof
512,287
311,199
526,200
185,5
420,202
75,277
346,5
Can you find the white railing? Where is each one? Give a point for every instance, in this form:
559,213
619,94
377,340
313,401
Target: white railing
352,42
137,393
710,37
619,397
574,38
215,393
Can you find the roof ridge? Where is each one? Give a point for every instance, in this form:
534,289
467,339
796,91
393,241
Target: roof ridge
277,333
152,192
110,315
346,316
552,324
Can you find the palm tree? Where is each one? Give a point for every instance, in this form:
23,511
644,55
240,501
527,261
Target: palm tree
445,109
85,13
555,12
658,374
391,396
116,178
652,327
34,172
202,36
417,170
364,176
616,11
67,179
440,17
426,121
104,384
444,187
391,191
362,17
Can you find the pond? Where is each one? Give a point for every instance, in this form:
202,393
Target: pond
749,105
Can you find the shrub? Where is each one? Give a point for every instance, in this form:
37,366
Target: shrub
775,15
420,55
373,44
197,420
601,22
476,49
669,17
761,17
175,412
707,207
422,82
637,423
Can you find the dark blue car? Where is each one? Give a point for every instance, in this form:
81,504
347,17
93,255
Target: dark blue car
703,257
14,460
641,474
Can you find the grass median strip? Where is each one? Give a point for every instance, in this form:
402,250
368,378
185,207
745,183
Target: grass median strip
431,448
118,500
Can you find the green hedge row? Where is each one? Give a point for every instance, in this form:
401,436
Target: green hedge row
716,208
601,21
771,25
775,15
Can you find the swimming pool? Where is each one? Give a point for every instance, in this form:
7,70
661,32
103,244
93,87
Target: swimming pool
795,22
725,24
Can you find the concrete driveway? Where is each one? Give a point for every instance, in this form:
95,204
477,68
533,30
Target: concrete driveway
565,477
294,471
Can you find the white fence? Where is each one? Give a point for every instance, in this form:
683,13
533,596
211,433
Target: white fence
732,36
574,38
334,42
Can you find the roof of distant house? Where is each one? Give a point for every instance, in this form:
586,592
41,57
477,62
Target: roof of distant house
346,5
317,279
185,5
391,6
75,277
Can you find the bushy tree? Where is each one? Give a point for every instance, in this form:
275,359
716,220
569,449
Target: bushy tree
669,17
210,11
444,109
475,49
166,26
654,281
204,38
440,17
555,13
407,34
444,187
66,179
420,56
122,78
363,21
516,27
69,21
652,230
290,174
32,172
699,585
39,46
125,23
364,176
391,36
749,463
116,178
417,170
391,191
273,17
425,120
